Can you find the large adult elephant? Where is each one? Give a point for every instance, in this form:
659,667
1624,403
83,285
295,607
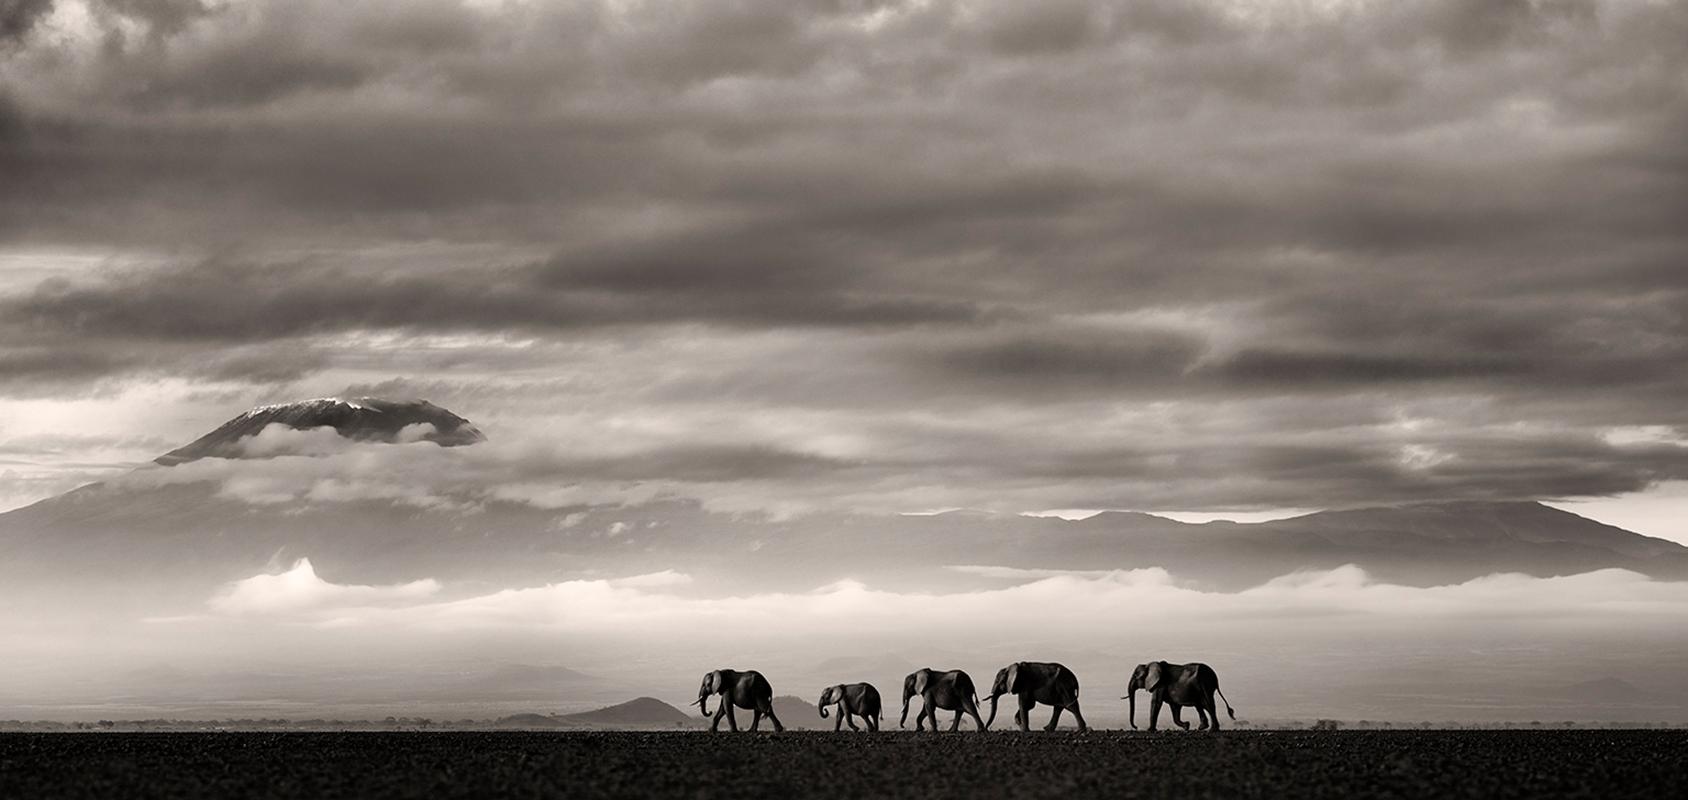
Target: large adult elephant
746,689
850,700
1033,682
1193,684
950,690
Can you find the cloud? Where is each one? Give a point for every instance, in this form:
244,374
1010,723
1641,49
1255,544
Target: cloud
300,590
653,580
1095,605
1149,254
18,17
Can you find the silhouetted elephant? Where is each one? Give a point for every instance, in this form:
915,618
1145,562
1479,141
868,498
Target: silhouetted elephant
851,699
747,689
1192,684
1033,682
950,691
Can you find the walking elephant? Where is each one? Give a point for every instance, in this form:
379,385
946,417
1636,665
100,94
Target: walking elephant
1178,685
850,700
949,691
746,689
1033,682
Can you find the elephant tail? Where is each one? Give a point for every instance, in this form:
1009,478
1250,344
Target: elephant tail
1228,710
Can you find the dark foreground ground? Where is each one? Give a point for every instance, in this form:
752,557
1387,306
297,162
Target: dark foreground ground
1341,764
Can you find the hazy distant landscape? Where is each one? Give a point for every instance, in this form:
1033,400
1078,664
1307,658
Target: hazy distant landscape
358,608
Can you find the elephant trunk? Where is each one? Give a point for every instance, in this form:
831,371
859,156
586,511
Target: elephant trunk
703,704
821,707
992,718
1132,703
908,692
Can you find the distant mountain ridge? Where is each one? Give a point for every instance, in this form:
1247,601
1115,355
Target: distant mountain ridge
189,537
636,714
638,711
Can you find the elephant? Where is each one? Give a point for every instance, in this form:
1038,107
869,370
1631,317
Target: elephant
745,689
1178,685
851,699
1033,682
951,691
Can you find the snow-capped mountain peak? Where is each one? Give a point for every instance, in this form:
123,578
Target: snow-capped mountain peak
369,419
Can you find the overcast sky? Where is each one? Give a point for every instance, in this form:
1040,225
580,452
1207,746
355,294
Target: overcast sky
1224,256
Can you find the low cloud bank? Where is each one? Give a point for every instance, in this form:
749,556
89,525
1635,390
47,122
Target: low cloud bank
1091,603
300,591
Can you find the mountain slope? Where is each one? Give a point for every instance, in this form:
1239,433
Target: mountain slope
184,540
190,538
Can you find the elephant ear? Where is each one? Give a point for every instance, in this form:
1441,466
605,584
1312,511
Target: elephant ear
717,682
1014,677
1153,678
920,679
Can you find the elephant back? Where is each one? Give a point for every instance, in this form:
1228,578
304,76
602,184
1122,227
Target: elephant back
868,698
963,682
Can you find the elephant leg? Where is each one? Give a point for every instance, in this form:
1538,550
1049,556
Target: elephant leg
850,719
755,718
1201,714
1025,715
1177,715
973,708
715,724
1154,711
955,724
767,709
1078,716
732,719
1213,711
1054,719
838,722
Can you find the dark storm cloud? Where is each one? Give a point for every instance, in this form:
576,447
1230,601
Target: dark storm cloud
219,301
18,17
1288,367
709,279
1050,361
37,363
1465,214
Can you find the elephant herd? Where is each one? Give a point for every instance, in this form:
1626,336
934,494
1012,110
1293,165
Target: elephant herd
1030,682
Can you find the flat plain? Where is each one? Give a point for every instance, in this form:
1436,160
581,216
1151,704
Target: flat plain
1307,764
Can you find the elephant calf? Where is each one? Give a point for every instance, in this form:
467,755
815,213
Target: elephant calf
746,689
1033,682
1177,685
850,700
